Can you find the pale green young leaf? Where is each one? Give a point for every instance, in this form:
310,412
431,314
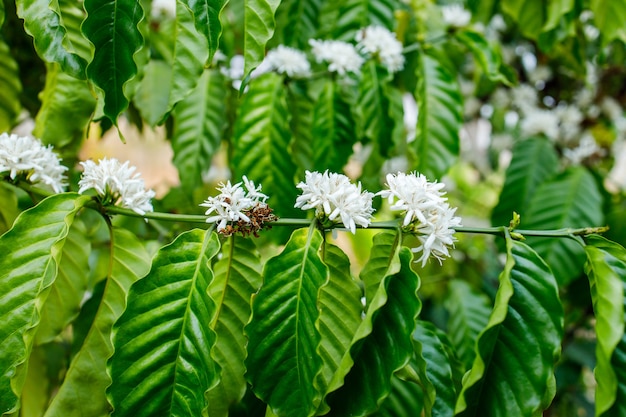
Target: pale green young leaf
48,32
610,18
152,94
206,15
10,89
111,26
72,15
555,11
237,278
86,379
529,15
259,25
512,373
162,363
66,294
199,122
439,103
283,361
32,252
606,269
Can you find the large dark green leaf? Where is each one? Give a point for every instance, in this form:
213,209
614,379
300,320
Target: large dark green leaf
83,390
405,399
301,121
29,265
374,106
381,345
111,26
570,200
440,115
237,277
512,374
534,162
67,293
72,16
48,32
380,264
283,361
606,269
67,105
261,142
298,22
610,17
356,14
333,129
259,25
162,363
10,89
199,121
206,14
469,313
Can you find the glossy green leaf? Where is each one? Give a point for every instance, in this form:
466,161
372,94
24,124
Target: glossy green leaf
405,398
356,14
87,379
111,26
333,129
340,312
261,142
67,105
482,10
439,370
555,12
206,15
606,269
374,105
380,263
534,162
152,94
1,12
297,22
512,374
610,18
258,29
199,122
300,106
485,54
10,89
237,277
162,363
72,15
32,251
440,115
469,313
570,200
381,345
530,15
8,207
45,26
282,358
67,293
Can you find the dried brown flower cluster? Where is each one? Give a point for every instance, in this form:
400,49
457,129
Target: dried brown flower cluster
260,216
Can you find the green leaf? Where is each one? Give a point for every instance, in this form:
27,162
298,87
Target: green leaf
469,313
111,26
380,264
485,55
282,358
8,207
333,129
162,363
374,105
10,89
66,294
530,15
1,12
606,269
439,369
237,278
381,345
261,142
512,374
258,29
298,22
555,11
570,200
152,94
66,109
534,162
610,17
199,122
356,14
340,312
31,254
45,26
300,107
87,379
440,115
405,398
206,15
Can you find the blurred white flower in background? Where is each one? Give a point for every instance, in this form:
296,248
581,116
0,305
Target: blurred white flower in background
539,121
341,57
289,61
455,15
163,8
383,44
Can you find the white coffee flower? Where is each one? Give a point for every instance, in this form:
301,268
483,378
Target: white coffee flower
455,15
116,182
24,155
525,98
334,197
288,61
162,8
426,213
382,44
586,148
341,57
233,203
539,121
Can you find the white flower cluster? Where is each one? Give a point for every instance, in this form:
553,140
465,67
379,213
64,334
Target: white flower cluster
116,182
28,156
334,197
380,42
455,15
289,61
426,213
233,202
341,57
